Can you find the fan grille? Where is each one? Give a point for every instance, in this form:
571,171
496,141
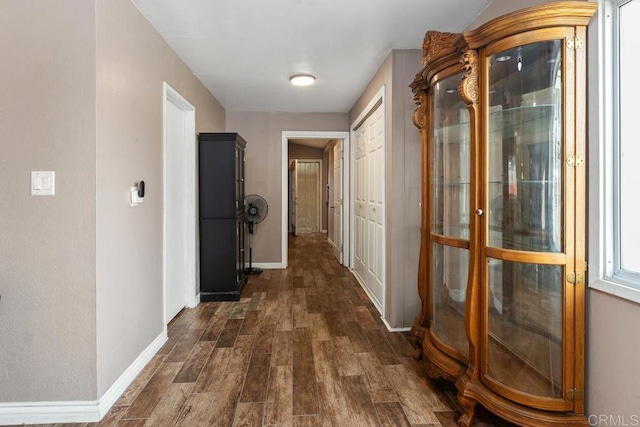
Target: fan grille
256,208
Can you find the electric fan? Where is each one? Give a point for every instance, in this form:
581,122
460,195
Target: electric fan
256,209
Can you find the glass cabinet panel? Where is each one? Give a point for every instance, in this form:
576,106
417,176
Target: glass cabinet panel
525,148
450,198
525,196
450,270
525,326
451,160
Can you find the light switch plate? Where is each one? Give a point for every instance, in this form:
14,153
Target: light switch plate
43,183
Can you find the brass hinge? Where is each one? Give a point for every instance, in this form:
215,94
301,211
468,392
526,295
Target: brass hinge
575,161
575,43
575,278
575,394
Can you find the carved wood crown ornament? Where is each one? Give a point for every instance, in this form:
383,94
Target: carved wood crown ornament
420,114
469,86
435,43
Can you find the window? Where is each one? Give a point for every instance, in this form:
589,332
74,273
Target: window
614,210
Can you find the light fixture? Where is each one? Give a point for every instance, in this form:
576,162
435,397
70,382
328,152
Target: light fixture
503,58
451,90
302,79
520,58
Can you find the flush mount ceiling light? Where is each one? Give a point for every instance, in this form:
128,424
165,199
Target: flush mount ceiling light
302,79
503,58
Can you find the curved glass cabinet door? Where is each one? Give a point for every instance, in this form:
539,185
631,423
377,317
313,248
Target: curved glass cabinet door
450,192
525,261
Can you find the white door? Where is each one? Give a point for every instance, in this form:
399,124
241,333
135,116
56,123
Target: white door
336,202
176,257
369,173
293,197
308,196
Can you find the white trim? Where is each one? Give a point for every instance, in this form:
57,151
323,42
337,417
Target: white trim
191,284
617,289
390,329
79,411
286,135
120,385
49,412
350,169
268,265
323,230
372,297
603,131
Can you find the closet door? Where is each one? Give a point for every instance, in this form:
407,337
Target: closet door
369,236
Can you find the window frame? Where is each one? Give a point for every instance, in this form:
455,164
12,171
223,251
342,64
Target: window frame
605,273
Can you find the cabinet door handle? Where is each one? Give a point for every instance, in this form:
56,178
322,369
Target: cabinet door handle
480,212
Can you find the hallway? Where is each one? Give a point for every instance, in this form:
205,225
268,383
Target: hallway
303,347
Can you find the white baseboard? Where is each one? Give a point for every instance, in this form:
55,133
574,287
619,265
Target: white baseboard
49,412
393,329
376,303
324,231
117,388
78,411
267,265
373,299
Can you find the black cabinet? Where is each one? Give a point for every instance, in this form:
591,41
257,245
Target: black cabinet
223,233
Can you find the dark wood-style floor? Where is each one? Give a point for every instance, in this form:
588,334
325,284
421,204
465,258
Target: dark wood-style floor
303,347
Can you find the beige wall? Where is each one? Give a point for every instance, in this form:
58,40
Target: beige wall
132,62
403,183
81,272
264,163
47,244
299,151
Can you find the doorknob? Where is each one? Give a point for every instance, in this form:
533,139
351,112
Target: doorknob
480,212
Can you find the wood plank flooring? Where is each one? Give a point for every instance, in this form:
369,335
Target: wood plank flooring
303,347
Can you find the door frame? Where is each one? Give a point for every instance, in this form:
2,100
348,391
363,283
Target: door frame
192,297
379,97
286,135
331,185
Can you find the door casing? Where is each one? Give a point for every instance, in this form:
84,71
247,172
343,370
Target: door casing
186,173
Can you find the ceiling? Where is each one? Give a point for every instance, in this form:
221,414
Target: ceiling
310,142
245,50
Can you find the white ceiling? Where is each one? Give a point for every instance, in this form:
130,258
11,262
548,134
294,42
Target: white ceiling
245,50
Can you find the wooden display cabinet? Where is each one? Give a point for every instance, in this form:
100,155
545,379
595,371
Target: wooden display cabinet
501,111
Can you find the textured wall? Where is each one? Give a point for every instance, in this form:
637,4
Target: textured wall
47,243
132,63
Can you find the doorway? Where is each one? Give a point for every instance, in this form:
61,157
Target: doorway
179,204
285,216
305,196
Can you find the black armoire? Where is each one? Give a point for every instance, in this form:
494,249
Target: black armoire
222,217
